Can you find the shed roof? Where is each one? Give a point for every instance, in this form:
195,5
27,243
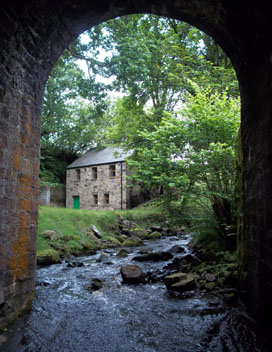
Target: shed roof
100,156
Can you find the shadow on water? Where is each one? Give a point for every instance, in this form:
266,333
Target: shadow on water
120,318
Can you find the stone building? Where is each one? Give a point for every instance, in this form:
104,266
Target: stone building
97,180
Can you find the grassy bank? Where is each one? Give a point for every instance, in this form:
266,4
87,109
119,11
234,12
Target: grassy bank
63,232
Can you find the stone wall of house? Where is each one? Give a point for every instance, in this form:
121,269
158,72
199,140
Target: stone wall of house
55,195
89,189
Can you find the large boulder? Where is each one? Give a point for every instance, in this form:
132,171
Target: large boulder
132,274
153,257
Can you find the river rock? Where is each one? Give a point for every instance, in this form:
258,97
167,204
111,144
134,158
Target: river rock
176,249
132,274
184,263
132,242
95,285
48,257
127,224
51,235
155,235
75,264
209,277
185,284
174,278
40,283
103,259
94,238
154,257
210,286
95,231
122,253
171,232
174,239
125,232
121,238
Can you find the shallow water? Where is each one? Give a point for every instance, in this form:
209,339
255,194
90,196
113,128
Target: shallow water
120,318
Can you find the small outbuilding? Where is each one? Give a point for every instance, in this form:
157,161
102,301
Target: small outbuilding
98,180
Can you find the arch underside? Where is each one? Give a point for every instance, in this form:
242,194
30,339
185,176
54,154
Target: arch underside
33,36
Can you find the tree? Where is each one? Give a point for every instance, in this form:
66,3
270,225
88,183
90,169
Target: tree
149,57
152,60
71,123
194,154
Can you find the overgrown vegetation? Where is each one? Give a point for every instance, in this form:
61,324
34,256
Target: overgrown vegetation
179,112
64,232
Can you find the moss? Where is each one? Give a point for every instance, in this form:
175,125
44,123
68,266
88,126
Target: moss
48,256
67,238
131,242
120,238
61,248
155,235
87,245
114,240
94,239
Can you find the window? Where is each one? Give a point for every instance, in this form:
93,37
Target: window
95,199
112,171
94,173
106,198
78,174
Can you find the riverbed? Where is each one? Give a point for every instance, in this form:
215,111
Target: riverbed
68,317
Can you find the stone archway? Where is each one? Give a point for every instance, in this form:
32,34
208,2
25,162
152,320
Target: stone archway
34,34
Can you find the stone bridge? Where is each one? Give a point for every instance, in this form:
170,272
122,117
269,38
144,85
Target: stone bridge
33,36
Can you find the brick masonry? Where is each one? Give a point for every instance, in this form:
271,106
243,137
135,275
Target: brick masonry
35,33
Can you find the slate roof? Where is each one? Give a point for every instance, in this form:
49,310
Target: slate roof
100,156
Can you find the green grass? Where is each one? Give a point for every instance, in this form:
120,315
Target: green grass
145,214
71,226
74,221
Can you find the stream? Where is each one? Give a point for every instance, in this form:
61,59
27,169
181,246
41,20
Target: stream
66,317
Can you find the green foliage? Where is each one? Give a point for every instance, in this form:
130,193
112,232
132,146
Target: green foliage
149,58
193,155
72,116
127,121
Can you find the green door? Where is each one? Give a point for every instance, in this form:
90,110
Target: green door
76,202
